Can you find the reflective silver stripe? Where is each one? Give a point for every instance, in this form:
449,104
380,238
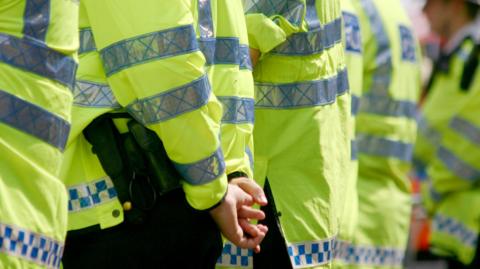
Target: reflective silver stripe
385,106
312,16
205,22
35,57
91,94
233,256
91,194
466,129
34,247
301,94
148,47
312,42
457,166
291,10
374,256
36,19
172,103
225,50
428,131
34,120
203,171
382,76
354,150
355,104
237,110
87,42
249,153
456,229
383,147
311,253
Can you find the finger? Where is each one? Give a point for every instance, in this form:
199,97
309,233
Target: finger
250,213
242,197
249,228
257,249
262,228
252,188
252,242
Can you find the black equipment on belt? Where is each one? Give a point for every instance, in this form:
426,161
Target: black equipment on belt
136,162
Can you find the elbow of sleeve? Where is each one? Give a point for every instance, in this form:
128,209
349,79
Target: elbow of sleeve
263,33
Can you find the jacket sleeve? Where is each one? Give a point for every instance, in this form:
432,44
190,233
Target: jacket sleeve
156,71
269,24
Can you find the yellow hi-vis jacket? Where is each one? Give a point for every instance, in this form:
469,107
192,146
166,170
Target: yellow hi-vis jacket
38,44
386,130
449,148
302,115
354,60
156,71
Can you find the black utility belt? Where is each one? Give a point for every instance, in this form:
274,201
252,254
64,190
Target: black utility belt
136,162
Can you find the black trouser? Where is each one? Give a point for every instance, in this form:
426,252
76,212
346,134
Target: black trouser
274,253
175,236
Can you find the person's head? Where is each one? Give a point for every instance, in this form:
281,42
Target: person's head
448,16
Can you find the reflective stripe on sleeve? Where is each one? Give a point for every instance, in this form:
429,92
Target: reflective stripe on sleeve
383,147
36,19
87,42
203,171
34,120
237,110
456,229
291,10
92,94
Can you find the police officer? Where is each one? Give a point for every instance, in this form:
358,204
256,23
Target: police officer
152,65
448,144
301,122
386,128
38,43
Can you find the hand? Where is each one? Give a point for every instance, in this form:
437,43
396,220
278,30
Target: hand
226,215
251,187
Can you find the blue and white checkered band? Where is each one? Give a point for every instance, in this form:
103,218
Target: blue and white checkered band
34,247
203,171
32,56
302,94
92,194
312,253
225,50
457,166
33,120
373,256
36,19
312,42
340,250
382,147
454,228
233,256
466,129
87,42
383,74
384,105
172,103
237,110
148,47
353,36
292,10
408,44
92,94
